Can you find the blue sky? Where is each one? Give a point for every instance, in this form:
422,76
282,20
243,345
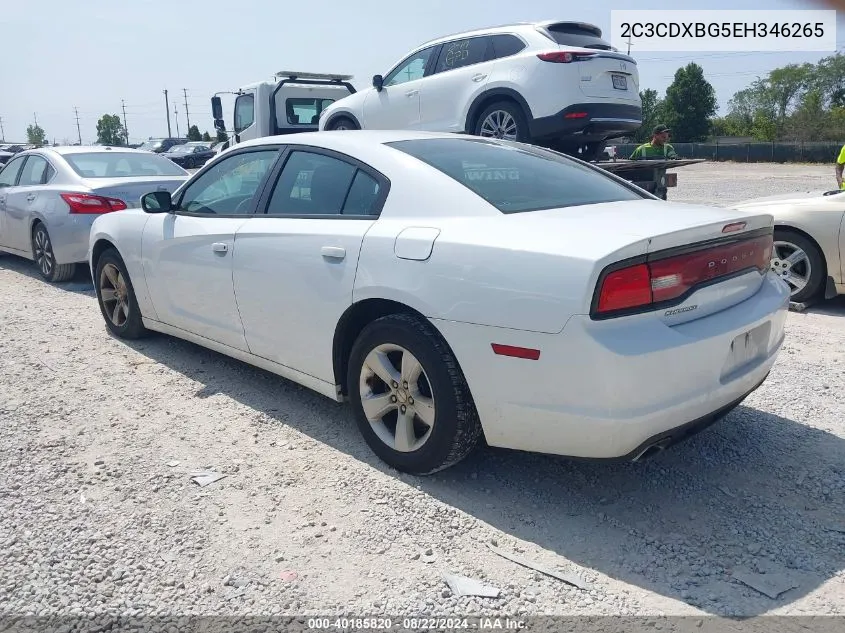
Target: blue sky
56,56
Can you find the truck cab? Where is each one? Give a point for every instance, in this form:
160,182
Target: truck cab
290,103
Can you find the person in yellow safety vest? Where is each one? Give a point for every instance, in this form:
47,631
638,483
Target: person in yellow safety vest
657,148
840,164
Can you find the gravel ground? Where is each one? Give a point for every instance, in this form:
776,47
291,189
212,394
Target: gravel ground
98,513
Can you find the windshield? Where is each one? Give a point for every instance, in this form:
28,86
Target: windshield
517,178
122,165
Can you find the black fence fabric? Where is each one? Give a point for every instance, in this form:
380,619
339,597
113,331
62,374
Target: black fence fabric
750,152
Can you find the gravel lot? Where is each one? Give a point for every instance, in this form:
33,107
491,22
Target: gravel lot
98,513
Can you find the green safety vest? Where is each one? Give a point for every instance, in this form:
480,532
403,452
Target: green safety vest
647,150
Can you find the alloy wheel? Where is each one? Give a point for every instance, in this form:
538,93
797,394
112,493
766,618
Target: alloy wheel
114,295
499,124
397,398
792,265
44,257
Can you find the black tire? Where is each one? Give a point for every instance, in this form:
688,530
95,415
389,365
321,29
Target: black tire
45,259
342,123
132,327
456,429
818,267
513,110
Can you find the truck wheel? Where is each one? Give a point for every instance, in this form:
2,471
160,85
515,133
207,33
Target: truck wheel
504,120
342,123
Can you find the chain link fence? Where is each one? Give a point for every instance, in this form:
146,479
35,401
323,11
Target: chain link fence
780,152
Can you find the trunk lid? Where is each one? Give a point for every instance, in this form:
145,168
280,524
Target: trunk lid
130,190
649,227
607,75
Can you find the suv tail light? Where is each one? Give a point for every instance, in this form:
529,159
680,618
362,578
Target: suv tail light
88,203
564,57
655,283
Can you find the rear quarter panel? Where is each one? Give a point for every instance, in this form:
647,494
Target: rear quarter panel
123,230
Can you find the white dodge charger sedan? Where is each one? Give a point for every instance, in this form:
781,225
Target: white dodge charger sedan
453,287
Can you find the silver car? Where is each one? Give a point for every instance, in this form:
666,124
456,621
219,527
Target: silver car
49,198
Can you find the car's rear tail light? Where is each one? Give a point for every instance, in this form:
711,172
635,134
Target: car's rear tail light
563,57
576,115
91,204
657,282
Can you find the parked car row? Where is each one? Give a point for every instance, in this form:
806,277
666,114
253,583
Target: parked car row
449,287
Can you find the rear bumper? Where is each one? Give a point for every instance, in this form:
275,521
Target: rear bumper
595,122
609,389
70,238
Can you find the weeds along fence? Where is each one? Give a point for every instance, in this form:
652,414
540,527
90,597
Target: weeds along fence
779,152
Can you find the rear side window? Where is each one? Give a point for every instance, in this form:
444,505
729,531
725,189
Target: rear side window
34,172
506,45
302,111
514,178
577,36
460,53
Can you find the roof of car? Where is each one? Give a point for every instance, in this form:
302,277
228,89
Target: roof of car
504,28
87,149
328,139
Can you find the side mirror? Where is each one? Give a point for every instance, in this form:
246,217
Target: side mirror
217,114
156,202
378,82
216,108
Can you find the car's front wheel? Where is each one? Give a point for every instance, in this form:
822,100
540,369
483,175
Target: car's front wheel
116,297
45,258
798,262
410,398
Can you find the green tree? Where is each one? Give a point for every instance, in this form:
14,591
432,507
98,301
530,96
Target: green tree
35,135
222,136
689,105
206,137
652,114
110,130
194,133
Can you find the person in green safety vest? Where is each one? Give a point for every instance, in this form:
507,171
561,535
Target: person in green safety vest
840,164
657,148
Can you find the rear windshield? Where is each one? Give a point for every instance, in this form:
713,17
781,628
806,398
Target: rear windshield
122,165
574,35
517,178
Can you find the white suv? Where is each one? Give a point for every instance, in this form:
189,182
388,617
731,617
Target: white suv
557,84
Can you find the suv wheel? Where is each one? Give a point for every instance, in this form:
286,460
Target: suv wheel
503,119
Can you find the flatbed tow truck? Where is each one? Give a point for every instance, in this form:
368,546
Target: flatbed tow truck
292,101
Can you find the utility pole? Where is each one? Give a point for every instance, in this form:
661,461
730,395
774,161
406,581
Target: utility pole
78,130
2,131
167,110
176,114
35,116
187,116
125,128
629,45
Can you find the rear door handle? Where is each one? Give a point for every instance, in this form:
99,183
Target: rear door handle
31,197
220,247
412,93
478,77
333,252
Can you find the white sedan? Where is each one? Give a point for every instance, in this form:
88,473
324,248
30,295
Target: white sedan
452,288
